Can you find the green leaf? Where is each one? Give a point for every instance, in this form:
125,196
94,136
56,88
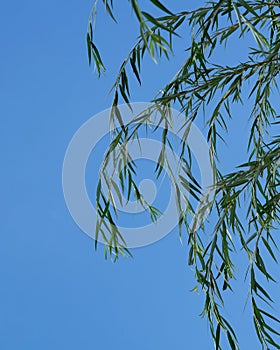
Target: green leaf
109,10
89,48
231,341
134,68
159,5
269,249
217,338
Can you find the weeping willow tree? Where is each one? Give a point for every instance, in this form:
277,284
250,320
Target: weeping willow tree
243,208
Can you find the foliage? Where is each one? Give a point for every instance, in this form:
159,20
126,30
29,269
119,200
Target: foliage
253,188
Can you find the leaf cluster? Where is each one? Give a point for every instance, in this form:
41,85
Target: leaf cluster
242,206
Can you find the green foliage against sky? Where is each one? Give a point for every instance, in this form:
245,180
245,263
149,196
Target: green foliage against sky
242,206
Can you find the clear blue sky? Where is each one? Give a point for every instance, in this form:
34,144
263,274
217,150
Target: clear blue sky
56,291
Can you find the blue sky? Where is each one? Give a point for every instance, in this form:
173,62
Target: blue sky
56,291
